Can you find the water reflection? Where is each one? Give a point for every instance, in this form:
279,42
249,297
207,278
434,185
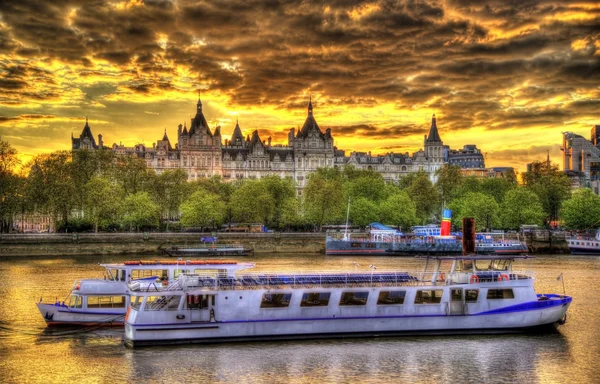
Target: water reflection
427,359
32,353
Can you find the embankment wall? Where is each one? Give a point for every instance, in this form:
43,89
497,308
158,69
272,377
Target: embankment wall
51,244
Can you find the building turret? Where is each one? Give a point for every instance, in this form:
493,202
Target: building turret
237,139
86,139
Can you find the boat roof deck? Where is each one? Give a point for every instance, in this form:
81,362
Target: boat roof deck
476,257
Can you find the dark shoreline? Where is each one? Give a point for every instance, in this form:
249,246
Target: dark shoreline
145,243
54,244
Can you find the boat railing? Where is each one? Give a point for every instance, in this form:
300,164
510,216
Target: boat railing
340,280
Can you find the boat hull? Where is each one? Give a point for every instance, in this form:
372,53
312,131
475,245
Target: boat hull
201,252
584,251
342,248
56,314
538,319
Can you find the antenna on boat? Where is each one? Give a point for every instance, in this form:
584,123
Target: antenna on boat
347,217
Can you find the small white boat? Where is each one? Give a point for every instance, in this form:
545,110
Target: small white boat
581,245
451,295
105,301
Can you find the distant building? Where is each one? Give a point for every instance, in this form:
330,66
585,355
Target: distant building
201,152
581,158
86,139
468,157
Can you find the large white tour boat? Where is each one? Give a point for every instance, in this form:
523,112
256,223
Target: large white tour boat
452,294
104,301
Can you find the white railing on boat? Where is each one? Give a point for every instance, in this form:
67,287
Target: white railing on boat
280,281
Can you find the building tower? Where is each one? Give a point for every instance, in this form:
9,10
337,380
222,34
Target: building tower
434,148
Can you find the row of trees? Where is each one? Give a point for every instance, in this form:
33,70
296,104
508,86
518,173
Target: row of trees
104,191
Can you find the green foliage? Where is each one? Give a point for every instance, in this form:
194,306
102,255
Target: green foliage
52,177
283,194
551,185
497,187
252,203
398,210
323,197
169,190
469,184
139,211
290,213
520,206
363,211
425,196
366,184
132,174
203,209
449,181
582,211
104,202
483,208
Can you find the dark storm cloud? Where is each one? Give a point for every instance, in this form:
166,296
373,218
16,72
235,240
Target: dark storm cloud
26,117
466,59
373,131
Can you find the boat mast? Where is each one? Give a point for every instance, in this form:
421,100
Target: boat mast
347,217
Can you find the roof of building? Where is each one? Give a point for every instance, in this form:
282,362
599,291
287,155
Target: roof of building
237,136
86,133
434,136
199,121
310,125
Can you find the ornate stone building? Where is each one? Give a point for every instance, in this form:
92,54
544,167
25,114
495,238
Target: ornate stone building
202,153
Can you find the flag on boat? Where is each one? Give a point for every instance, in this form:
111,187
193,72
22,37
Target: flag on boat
560,277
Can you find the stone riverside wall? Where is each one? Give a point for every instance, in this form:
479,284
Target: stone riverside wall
55,244
544,241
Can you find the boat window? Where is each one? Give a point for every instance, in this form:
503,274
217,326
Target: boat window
162,303
471,295
464,265
76,301
178,272
501,265
456,294
136,302
483,265
391,297
356,245
210,272
275,300
370,245
106,301
354,298
315,299
429,296
197,301
500,294
142,273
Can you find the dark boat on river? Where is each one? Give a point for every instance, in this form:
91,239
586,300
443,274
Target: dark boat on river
206,249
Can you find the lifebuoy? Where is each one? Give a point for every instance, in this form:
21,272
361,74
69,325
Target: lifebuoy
442,276
503,277
474,278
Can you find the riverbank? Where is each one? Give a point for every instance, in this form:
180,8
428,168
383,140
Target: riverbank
51,244
55,244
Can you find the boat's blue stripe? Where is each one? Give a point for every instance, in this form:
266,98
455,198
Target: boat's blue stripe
530,306
94,313
553,301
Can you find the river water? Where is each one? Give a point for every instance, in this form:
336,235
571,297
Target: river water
29,353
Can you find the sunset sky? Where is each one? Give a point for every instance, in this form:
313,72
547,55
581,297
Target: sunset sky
509,76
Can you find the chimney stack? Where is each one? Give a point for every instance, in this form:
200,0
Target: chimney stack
468,242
